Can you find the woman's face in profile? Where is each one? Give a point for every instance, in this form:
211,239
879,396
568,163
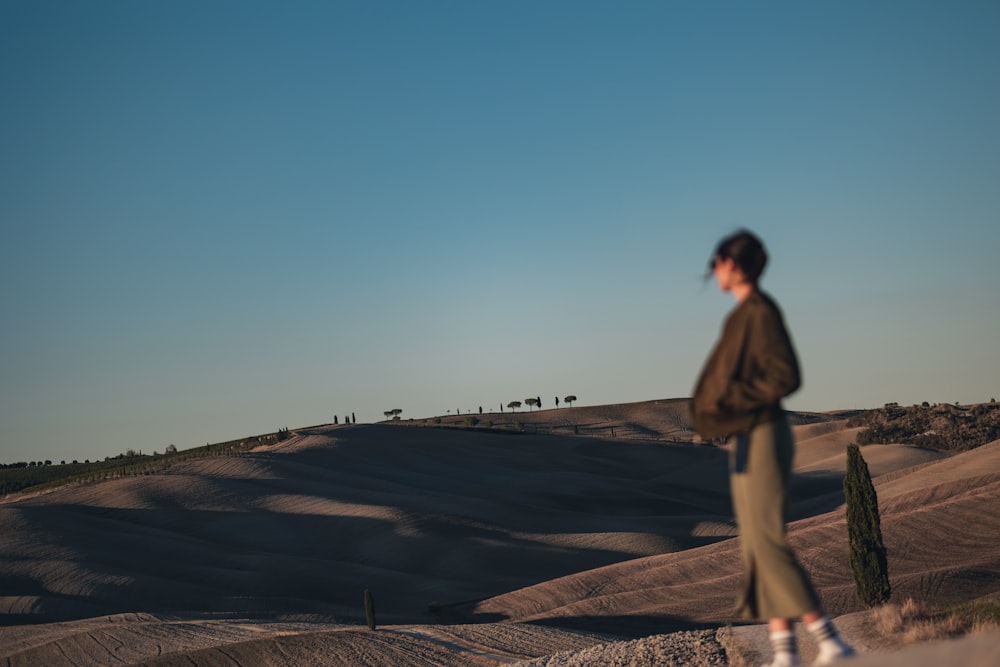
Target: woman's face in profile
727,274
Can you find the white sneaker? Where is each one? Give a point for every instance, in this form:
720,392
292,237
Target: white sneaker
831,652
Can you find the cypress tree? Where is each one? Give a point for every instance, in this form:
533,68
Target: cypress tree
868,558
369,609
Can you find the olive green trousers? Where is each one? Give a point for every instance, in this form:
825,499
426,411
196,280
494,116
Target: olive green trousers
773,584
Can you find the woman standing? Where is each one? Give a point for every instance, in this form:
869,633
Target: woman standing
738,396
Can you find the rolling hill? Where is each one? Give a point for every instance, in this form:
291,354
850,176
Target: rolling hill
480,545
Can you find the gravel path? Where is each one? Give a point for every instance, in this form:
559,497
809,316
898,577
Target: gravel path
696,648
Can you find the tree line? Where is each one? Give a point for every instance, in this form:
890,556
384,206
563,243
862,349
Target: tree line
532,402
535,402
941,426
21,476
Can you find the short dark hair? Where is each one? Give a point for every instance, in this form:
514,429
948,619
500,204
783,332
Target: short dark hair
744,248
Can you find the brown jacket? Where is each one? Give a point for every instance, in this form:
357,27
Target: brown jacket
751,368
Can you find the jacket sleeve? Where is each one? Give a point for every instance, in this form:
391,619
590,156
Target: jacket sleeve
771,369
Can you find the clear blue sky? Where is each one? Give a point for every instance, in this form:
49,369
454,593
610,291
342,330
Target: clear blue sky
221,218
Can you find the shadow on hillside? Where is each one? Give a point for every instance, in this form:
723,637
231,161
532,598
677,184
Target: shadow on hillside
625,627
812,494
197,562
445,521
267,564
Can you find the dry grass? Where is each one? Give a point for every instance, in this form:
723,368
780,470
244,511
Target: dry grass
912,622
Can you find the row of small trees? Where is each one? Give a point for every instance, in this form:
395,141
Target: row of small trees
533,402
536,403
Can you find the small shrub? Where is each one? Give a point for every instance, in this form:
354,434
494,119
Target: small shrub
889,620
